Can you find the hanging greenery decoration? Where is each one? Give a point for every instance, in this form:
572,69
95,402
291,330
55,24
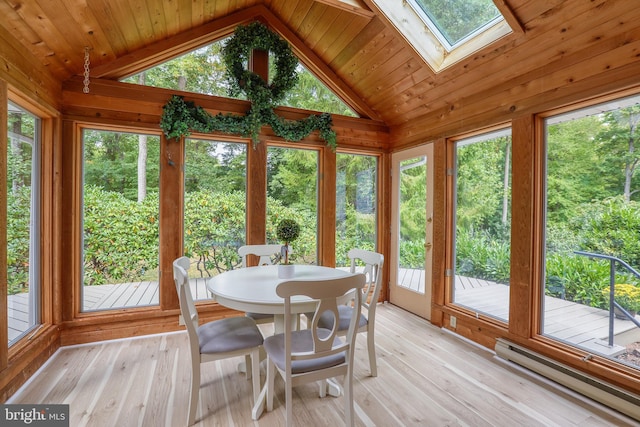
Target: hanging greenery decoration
180,117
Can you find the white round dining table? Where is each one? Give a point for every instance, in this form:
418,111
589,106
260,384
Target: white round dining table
253,289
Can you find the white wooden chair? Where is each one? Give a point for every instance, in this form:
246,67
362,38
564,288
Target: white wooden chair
316,353
265,253
219,339
373,263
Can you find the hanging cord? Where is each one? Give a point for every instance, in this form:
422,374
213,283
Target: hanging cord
86,70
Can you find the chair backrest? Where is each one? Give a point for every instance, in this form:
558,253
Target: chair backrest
328,293
264,252
373,263
187,306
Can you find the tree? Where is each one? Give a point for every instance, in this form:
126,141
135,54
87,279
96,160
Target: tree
142,157
617,145
575,173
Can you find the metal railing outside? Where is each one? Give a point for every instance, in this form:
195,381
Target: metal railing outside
612,279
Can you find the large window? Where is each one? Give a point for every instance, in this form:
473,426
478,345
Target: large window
120,220
292,193
23,225
214,208
482,223
356,204
593,207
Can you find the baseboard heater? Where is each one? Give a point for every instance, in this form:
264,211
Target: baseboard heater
605,393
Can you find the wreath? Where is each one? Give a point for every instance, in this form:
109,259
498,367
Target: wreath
180,117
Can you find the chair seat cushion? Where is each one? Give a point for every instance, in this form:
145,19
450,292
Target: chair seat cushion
344,311
224,335
259,316
301,341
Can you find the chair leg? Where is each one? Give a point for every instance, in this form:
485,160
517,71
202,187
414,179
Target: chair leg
255,373
371,345
271,373
194,396
247,362
348,399
322,385
289,403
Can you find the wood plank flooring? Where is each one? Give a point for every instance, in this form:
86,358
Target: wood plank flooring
426,377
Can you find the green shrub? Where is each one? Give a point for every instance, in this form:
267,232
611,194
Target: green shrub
18,228
481,255
611,227
120,237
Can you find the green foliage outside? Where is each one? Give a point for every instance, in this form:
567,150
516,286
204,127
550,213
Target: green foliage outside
592,198
18,229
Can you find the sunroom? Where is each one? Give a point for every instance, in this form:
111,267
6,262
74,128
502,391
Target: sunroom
487,149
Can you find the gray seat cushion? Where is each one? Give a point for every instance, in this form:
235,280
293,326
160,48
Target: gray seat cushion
259,316
301,341
344,311
230,334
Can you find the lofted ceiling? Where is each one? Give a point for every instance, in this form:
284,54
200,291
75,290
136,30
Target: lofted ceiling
350,44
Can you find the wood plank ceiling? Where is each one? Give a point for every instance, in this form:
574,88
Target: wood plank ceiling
359,48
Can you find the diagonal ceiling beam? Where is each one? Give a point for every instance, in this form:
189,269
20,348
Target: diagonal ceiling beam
187,41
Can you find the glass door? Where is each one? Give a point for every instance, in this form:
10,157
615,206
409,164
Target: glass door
412,230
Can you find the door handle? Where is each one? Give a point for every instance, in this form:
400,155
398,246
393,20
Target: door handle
427,246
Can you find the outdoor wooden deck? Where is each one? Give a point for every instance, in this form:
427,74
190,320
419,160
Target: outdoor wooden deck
564,320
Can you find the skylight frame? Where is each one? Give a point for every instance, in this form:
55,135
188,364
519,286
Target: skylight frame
413,28
428,21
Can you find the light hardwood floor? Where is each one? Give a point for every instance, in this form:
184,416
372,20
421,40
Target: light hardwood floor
426,377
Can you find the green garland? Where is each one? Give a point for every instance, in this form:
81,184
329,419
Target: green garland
179,117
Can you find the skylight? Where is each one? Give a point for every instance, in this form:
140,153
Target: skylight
455,21
444,32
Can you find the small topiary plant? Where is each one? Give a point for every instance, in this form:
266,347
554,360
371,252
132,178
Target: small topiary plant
287,231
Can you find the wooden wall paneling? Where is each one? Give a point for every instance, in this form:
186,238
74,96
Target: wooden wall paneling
380,47
395,62
440,230
50,18
616,69
24,74
521,297
383,244
15,36
158,19
126,104
143,21
351,6
542,53
70,224
26,358
305,25
321,27
48,225
256,228
533,8
327,208
357,43
171,217
321,70
4,143
117,22
400,86
165,49
58,210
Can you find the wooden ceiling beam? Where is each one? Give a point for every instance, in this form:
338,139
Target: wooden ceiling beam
173,47
321,70
187,41
353,6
